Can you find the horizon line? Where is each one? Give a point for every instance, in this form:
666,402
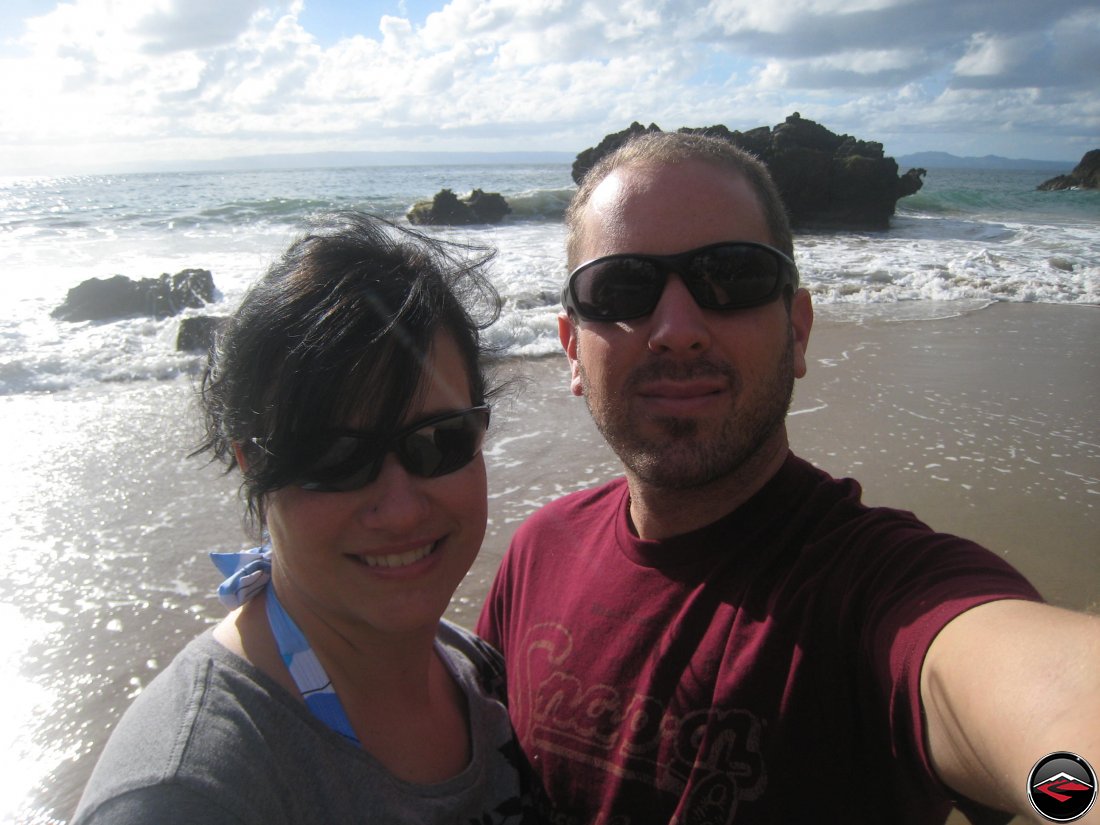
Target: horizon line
430,157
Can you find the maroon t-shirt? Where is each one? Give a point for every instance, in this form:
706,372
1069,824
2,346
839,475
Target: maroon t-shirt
763,669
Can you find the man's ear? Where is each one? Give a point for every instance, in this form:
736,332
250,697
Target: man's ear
567,334
238,453
802,320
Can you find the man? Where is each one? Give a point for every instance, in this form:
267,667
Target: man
728,634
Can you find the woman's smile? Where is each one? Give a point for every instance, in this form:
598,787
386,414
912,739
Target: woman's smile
398,560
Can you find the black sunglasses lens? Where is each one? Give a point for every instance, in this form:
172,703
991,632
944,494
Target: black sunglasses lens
443,446
344,463
617,289
730,277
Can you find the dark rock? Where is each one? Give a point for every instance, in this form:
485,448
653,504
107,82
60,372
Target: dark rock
826,180
757,140
104,299
796,133
1057,184
910,183
1085,175
588,158
545,298
804,177
863,191
488,207
447,209
196,332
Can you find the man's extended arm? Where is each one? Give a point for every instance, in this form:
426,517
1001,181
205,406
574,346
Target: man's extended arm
1003,685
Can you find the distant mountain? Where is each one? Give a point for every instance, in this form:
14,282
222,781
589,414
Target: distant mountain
943,160
326,160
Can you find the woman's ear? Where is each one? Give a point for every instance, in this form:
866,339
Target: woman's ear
238,453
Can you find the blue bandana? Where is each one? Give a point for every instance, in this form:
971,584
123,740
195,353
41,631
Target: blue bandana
248,573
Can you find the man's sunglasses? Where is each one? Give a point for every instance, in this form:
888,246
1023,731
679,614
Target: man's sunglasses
345,460
731,275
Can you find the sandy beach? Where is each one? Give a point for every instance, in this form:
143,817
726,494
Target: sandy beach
984,424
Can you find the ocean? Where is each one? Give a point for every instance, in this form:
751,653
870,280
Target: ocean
104,574
967,238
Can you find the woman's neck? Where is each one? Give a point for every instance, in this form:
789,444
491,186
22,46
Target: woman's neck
400,699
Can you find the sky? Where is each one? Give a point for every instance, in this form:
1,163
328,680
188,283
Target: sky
97,85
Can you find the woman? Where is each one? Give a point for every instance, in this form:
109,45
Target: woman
348,391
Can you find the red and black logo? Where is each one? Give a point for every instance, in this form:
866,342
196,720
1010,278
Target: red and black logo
1062,787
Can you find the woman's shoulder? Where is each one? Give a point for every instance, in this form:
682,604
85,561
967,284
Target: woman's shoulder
167,742
205,686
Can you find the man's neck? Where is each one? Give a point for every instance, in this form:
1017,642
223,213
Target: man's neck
660,513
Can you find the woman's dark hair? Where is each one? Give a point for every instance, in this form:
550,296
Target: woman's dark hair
336,334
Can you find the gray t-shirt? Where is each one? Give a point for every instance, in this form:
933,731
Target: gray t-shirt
213,740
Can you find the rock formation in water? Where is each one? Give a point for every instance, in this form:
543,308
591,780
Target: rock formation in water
1085,175
107,299
447,209
827,181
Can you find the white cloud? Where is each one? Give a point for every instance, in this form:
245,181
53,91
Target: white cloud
397,34
777,18
991,56
854,69
1077,46
176,25
227,76
109,29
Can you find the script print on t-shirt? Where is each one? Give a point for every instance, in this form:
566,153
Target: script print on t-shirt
708,758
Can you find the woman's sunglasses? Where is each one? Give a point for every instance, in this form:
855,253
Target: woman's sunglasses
347,460
731,275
